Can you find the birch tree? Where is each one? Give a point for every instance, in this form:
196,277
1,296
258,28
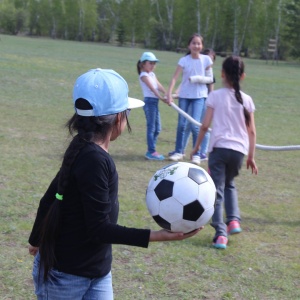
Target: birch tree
241,19
166,23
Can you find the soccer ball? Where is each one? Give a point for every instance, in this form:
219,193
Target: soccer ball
180,197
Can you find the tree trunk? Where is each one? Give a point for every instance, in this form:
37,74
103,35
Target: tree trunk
235,30
198,17
167,35
250,2
161,23
278,29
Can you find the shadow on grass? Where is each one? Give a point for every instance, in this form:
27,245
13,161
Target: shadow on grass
266,221
136,158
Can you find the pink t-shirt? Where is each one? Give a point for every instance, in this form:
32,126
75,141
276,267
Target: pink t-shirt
228,125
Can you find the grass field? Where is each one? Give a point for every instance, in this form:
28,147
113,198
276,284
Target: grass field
263,262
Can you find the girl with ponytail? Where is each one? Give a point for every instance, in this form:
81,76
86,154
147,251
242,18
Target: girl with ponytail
233,136
76,222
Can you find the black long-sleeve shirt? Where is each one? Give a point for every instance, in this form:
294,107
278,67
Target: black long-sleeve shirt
90,210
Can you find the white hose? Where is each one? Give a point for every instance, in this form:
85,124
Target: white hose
187,116
261,147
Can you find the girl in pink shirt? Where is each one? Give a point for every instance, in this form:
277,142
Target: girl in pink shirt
231,113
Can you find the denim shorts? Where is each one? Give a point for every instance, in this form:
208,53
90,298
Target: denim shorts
63,286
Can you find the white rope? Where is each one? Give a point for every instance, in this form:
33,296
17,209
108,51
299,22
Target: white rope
187,116
278,148
261,147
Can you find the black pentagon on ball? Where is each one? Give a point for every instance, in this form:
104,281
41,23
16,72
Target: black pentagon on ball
162,222
197,175
192,211
164,189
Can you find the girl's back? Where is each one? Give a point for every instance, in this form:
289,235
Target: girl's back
229,128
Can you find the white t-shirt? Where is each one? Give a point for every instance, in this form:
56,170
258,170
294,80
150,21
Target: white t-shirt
192,67
146,91
228,125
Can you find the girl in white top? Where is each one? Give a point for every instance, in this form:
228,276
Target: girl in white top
191,95
233,136
152,91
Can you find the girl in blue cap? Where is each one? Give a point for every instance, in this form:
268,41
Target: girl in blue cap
152,91
76,222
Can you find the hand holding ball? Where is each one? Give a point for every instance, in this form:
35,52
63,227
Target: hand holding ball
180,197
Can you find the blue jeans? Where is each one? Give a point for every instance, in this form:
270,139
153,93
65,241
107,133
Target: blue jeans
63,286
196,113
152,121
224,165
188,129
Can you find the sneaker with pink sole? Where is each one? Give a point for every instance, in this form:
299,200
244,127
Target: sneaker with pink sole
233,227
220,242
154,156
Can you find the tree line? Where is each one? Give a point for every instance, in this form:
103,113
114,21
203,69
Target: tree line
253,28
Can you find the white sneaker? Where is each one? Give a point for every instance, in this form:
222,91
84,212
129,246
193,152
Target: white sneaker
196,160
176,157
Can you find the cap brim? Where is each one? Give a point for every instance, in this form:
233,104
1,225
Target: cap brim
135,103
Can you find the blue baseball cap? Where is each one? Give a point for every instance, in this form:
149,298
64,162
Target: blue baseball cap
105,90
148,56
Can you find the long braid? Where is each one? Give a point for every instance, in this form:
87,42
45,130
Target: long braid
84,130
139,67
52,222
233,67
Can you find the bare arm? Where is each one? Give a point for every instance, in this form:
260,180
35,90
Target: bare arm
150,86
160,87
211,86
165,235
178,90
252,141
33,250
172,84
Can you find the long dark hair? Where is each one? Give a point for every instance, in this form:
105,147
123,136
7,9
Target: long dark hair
84,130
233,68
139,66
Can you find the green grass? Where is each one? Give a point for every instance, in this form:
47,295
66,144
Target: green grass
37,76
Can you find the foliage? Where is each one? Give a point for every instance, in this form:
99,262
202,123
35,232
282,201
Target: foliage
240,27
121,34
12,18
292,32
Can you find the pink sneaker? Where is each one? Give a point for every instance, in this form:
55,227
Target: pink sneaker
220,242
234,227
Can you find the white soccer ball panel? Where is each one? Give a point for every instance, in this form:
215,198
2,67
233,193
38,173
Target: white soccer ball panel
183,226
210,179
152,203
185,190
207,195
171,210
205,217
